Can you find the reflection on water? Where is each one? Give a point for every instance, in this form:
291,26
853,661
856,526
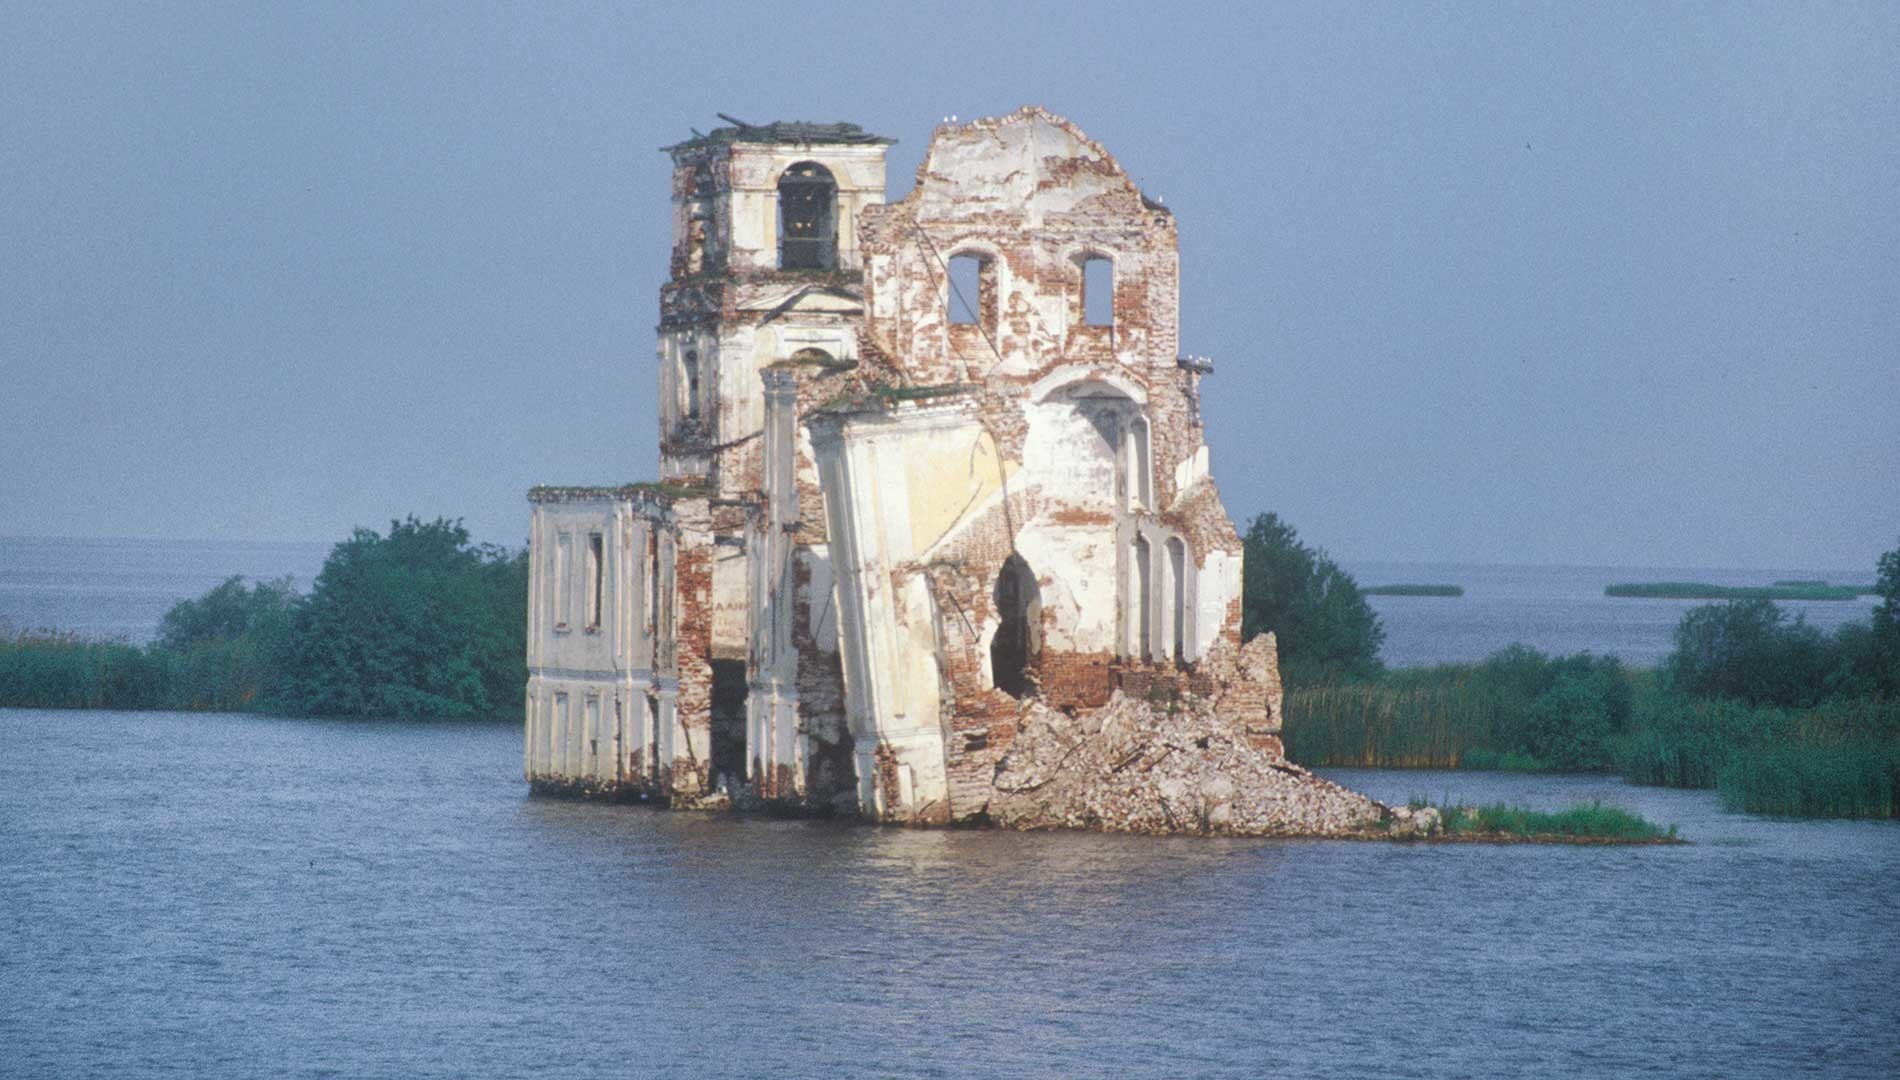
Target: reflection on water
242,896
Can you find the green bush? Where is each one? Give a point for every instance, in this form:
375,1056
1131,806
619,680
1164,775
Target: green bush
1569,724
1750,651
419,623
228,612
1326,630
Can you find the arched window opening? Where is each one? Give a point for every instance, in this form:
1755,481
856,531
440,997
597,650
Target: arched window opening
1177,571
1140,486
690,366
1018,640
972,290
1098,291
1144,617
807,218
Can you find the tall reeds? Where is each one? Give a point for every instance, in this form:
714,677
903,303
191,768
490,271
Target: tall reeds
1838,759
47,670
1406,720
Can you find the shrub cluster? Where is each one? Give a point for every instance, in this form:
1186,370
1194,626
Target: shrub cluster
417,623
1749,650
1326,630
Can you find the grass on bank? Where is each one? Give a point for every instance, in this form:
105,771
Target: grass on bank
1412,590
1697,590
1585,821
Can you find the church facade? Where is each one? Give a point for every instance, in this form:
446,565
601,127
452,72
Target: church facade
934,514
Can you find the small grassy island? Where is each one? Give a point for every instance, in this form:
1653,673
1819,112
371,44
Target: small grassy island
1413,590
1698,590
1499,823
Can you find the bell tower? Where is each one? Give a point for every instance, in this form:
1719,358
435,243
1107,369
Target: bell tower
764,234
766,277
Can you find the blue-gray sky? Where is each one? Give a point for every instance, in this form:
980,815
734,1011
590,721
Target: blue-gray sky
1570,283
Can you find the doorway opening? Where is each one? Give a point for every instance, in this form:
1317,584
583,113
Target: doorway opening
728,723
1018,640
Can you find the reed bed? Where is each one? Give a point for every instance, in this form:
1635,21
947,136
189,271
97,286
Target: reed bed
1814,781
44,670
1394,723
1838,759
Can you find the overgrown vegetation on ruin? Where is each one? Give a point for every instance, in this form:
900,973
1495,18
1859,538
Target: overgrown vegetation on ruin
419,622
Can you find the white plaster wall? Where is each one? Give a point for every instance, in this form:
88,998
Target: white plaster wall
1217,585
1075,566
894,483
1066,456
611,666
576,647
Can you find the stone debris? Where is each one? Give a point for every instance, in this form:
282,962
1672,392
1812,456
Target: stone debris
1164,770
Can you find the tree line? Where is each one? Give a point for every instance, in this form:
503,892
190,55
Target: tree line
418,622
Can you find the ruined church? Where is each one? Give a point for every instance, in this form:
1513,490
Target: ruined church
934,538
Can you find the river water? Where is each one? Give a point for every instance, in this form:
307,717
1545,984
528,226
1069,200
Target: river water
243,896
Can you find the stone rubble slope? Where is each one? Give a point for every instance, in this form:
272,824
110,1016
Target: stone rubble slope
1166,767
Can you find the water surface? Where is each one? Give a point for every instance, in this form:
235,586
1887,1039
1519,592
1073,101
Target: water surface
238,896
1562,609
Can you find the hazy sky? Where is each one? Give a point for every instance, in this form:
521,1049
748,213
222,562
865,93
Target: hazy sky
1569,283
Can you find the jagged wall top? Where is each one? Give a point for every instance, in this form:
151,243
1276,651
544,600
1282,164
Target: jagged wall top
1030,167
1035,201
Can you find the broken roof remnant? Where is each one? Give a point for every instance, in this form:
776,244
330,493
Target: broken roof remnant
782,131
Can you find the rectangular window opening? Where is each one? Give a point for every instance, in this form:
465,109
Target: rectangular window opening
1098,292
563,588
966,289
594,581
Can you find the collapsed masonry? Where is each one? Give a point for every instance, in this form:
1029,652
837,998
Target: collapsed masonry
934,539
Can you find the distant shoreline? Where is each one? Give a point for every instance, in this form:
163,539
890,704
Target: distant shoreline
1700,590
1413,590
